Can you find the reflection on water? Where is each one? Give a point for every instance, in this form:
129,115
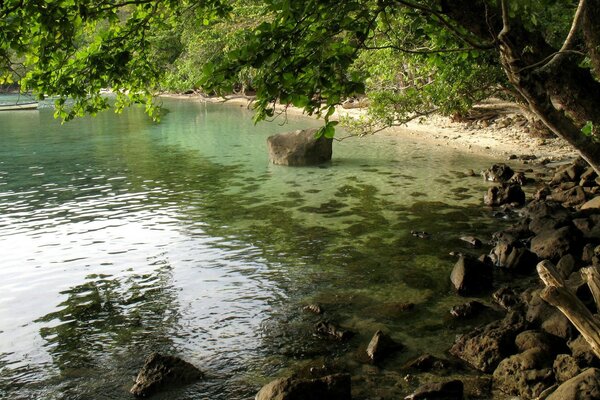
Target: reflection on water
120,237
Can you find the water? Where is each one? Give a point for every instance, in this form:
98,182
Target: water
119,237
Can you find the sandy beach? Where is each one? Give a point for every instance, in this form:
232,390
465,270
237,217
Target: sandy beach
502,137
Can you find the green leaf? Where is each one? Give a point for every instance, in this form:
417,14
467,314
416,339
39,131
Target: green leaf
588,128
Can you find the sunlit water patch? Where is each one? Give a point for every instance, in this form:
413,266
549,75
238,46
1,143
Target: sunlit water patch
119,237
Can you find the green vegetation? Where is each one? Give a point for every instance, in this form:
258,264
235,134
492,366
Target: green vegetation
408,57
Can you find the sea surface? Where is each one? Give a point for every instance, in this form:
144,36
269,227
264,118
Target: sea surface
120,237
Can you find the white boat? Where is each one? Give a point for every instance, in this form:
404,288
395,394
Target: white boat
33,105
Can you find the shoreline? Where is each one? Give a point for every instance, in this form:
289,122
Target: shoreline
500,139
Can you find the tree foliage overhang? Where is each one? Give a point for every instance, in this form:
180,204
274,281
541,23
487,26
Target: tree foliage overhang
305,52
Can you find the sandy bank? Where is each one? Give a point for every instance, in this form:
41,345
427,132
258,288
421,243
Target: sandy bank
498,139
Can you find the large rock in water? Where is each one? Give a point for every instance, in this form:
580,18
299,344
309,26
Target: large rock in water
471,276
331,387
299,148
160,371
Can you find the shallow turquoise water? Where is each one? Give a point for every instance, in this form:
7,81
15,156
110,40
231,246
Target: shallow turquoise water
119,237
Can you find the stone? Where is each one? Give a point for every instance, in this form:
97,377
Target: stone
471,276
498,173
589,175
542,193
514,258
526,374
558,324
299,148
484,347
570,197
565,367
551,345
469,309
518,178
331,387
506,298
451,390
160,371
585,386
553,244
566,265
582,353
426,363
472,241
381,346
313,308
326,328
505,194
541,209
591,204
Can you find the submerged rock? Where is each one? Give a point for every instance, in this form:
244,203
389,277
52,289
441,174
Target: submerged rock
451,390
331,387
469,309
299,148
325,328
160,371
313,308
498,173
381,346
427,362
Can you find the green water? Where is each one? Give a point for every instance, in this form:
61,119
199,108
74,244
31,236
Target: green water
119,237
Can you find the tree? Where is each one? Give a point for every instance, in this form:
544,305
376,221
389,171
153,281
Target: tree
305,53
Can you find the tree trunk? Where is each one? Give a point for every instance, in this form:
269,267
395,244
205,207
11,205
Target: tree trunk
562,94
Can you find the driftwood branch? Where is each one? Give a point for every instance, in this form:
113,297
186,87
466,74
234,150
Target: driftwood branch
563,298
592,277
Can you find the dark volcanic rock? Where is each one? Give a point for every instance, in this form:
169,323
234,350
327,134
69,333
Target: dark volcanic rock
570,197
585,386
381,346
553,244
505,194
452,390
471,276
498,173
565,367
514,258
525,374
549,344
299,148
469,309
485,347
506,298
161,371
325,328
427,362
331,387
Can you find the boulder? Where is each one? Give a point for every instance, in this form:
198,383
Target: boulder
505,194
582,353
566,265
541,209
518,178
525,374
161,371
381,346
506,298
498,173
553,244
328,329
551,345
565,367
514,258
331,387
451,390
591,204
299,148
585,386
570,197
469,309
471,276
426,363
486,346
